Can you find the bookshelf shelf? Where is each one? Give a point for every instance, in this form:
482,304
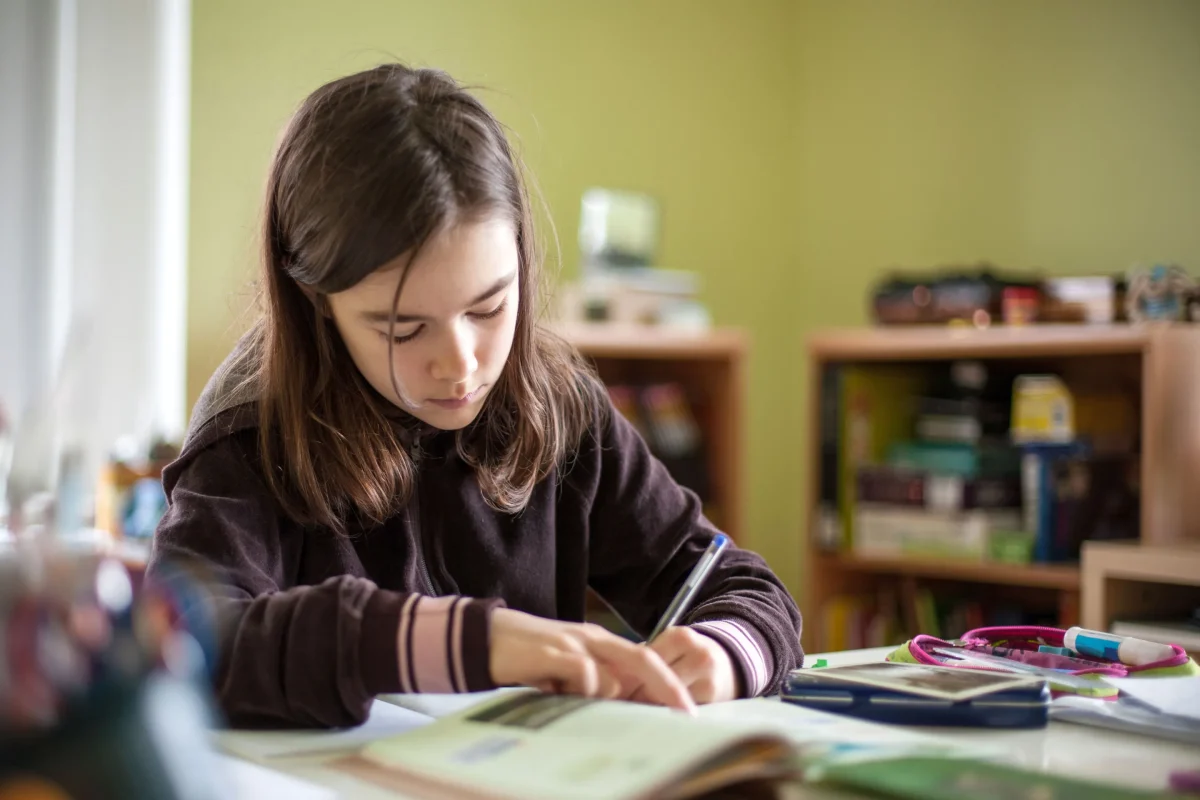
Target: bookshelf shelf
710,366
1157,365
625,341
938,343
1046,576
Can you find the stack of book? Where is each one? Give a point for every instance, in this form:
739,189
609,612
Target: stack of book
953,491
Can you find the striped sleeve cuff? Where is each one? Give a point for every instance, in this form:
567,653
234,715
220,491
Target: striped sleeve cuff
430,644
749,656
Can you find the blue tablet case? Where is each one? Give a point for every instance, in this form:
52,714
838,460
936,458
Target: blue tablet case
1024,707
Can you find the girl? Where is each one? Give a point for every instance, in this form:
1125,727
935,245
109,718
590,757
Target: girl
407,485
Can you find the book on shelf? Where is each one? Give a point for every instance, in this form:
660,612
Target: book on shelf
852,622
920,611
948,614
945,428
863,410
1072,494
892,615
988,459
883,531
898,486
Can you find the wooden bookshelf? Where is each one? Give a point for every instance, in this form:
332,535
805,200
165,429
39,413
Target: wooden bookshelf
1161,361
1132,580
710,365
651,342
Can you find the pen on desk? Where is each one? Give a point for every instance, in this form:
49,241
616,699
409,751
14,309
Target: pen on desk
683,598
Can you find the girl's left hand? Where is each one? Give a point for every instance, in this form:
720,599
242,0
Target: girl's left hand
701,663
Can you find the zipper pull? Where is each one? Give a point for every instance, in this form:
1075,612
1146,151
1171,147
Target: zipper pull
414,451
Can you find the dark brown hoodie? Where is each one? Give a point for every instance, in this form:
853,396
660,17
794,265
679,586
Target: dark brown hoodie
315,624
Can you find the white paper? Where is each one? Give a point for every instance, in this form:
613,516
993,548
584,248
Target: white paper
252,782
1122,715
442,705
1179,696
385,720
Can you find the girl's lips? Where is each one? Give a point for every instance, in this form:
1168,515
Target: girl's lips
453,403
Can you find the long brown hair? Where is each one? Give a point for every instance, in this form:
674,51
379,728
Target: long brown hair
370,167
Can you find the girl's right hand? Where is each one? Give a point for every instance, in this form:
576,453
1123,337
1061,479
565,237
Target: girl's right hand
579,658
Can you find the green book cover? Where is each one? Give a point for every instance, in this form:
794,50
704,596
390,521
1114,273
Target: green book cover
949,779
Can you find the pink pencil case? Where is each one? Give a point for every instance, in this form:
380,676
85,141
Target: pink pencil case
1021,642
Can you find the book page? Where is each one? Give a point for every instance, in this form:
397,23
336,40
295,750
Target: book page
533,745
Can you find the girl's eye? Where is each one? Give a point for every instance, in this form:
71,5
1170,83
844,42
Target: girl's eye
408,337
495,312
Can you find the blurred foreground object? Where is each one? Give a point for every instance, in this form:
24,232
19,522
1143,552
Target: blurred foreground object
103,679
103,676
130,499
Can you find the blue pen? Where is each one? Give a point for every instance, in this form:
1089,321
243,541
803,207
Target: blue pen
683,598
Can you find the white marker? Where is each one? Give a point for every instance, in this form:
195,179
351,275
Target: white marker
1123,649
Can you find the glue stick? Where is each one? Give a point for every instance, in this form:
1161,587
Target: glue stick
1124,649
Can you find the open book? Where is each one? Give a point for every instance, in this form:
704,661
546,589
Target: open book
531,745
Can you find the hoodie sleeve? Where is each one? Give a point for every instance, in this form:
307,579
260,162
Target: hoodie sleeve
309,656
646,534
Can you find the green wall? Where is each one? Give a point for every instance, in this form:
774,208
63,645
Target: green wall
689,101
1054,134
797,147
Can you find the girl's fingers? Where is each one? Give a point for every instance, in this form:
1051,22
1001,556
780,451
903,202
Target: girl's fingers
570,673
655,682
594,663
576,678
609,685
692,666
671,646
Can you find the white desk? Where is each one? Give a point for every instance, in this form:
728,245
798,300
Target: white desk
1062,748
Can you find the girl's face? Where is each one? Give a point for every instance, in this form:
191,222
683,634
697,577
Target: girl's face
454,322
